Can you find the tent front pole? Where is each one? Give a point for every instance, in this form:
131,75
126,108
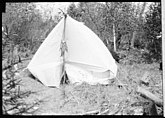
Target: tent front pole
63,53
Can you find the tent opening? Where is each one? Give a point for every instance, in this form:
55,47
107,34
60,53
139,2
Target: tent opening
64,79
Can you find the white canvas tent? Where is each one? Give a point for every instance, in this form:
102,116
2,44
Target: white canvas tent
87,59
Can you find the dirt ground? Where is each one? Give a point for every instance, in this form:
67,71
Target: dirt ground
117,98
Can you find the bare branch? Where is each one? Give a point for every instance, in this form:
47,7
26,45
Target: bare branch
5,68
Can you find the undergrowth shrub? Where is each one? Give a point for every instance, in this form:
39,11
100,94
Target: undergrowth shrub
12,96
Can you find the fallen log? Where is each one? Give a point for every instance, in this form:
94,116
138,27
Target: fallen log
149,95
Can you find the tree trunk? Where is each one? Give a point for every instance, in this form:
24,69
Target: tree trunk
118,40
139,19
133,39
114,37
107,42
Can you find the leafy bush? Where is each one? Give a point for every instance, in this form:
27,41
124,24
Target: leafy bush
132,56
153,29
12,96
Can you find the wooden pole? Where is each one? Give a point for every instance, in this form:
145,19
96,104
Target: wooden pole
63,47
64,50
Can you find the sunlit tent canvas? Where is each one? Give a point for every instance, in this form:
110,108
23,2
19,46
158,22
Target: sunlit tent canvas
87,59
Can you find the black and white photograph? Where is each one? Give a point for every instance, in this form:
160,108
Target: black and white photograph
83,58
